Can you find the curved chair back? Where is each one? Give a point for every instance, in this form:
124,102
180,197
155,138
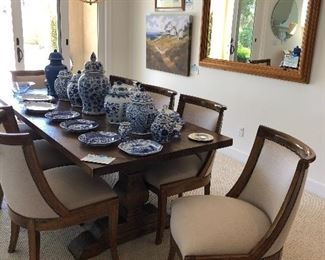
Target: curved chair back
8,120
114,78
37,76
202,112
273,180
161,96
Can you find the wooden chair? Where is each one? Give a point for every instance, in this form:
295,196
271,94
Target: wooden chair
190,172
254,219
37,76
262,61
48,156
161,96
48,200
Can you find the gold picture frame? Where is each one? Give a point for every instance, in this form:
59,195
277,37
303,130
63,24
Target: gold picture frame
169,5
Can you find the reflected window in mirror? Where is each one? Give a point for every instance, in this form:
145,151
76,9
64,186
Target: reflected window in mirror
260,36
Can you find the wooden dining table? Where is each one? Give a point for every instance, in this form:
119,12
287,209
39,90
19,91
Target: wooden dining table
137,217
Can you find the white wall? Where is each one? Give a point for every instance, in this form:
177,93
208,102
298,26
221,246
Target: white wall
297,109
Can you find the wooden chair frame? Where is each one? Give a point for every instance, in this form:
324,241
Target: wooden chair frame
306,155
147,87
202,179
27,73
107,208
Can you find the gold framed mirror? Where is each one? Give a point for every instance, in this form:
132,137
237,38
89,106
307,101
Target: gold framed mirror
252,36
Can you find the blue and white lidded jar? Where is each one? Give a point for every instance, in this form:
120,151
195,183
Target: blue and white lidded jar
116,103
61,84
93,86
141,112
73,92
166,125
124,130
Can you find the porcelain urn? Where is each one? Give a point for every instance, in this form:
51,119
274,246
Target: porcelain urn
141,112
73,92
93,86
52,70
61,84
116,103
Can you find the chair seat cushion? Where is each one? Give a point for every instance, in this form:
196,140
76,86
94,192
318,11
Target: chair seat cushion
75,188
215,225
23,128
173,170
48,156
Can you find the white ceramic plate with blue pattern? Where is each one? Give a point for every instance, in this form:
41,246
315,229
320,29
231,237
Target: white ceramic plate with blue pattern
140,147
100,138
79,125
58,116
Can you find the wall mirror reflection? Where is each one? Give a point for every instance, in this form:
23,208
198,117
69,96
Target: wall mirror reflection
275,34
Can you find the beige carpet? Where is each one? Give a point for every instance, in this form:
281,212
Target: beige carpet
306,240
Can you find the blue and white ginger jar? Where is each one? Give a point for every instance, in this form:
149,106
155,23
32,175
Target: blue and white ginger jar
166,125
116,103
73,92
93,86
141,112
61,84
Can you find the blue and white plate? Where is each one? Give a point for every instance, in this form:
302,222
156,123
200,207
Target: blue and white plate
100,138
140,147
36,97
79,125
62,115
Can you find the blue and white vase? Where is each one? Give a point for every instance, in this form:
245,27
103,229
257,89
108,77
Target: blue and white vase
141,112
61,84
73,92
166,125
52,71
93,86
124,130
116,103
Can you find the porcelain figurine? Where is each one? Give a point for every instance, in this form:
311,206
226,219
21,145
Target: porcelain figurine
166,125
61,84
52,70
93,86
141,112
116,103
73,92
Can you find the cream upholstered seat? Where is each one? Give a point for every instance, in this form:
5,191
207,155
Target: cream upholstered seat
216,225
253,221
52,199
190,172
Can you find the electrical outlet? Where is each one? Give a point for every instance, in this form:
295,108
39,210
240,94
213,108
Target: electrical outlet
241,132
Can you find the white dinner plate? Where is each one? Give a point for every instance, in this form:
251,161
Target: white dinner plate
200,137
36,97
39,106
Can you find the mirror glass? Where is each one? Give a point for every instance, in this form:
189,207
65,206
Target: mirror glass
255,31
284,20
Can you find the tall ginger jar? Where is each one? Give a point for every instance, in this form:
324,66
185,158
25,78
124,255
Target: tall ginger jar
93,86
61,84
73,92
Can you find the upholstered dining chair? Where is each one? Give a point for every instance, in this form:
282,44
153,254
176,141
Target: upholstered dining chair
253,220
190,172
161,96
48,200
48,156
37,76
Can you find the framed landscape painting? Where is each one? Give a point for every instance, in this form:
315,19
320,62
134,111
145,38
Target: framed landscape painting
168,43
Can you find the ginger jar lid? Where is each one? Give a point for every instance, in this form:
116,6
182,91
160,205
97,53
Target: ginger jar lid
93,66
76,77
141,97
65,74
55,55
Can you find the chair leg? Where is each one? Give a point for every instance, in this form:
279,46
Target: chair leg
34,244
172,248
180,195
161,223
207,189
1,196
112,222
13,237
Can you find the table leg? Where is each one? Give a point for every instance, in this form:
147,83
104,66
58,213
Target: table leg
136,218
